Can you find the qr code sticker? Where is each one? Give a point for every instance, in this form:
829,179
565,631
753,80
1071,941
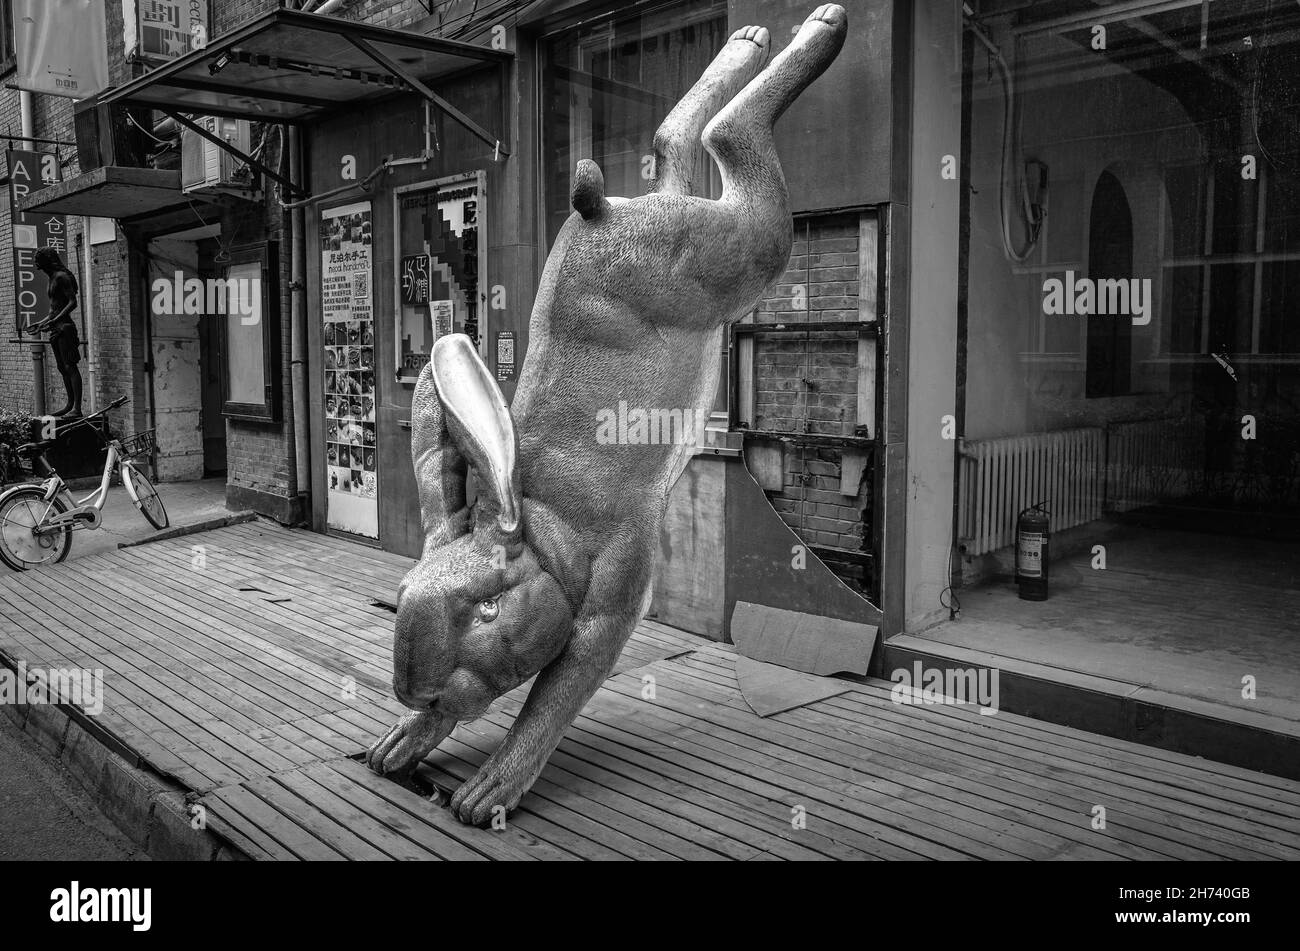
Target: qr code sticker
361,285
505,350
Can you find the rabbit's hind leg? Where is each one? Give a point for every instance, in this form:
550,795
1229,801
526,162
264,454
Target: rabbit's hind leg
740,136
678,139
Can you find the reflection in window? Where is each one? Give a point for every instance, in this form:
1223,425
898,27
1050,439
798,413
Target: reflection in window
1110,257
1174,164
607,87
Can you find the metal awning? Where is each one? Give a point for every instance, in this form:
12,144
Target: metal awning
113,192
289,66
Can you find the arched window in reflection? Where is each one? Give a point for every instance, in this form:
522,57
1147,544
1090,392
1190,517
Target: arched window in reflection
1110,255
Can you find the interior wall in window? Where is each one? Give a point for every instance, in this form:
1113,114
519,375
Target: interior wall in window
1027,369
1200,131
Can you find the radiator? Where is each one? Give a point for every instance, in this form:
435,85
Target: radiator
1153,460
1002,476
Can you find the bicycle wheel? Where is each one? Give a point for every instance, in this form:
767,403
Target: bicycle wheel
21,510
144,495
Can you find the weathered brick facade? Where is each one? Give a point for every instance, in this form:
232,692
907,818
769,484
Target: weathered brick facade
809,384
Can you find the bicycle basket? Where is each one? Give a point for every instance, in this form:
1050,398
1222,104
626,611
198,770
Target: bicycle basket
140,443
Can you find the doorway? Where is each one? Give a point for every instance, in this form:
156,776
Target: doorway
186,356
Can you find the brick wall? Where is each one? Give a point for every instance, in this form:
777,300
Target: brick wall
227,14
809,384
390,13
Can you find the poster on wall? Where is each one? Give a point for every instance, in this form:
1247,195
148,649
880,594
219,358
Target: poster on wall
506,369
438,233
351,452
441,316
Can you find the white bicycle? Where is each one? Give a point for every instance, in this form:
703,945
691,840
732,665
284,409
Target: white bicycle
37,519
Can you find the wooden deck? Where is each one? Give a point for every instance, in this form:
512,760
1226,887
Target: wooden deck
251,665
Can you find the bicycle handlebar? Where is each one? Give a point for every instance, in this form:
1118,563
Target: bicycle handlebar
83,420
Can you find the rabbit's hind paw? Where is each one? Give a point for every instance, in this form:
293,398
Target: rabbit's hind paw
494,790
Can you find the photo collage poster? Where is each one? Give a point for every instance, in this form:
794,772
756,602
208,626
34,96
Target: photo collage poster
351,451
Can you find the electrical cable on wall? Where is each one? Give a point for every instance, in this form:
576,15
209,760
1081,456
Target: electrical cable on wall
1032,213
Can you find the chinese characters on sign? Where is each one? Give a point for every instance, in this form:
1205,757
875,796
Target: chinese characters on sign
441,315
351,450
165,29
415,279
30,172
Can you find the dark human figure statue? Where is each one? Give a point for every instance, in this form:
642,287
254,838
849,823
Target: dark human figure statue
64,342
550,570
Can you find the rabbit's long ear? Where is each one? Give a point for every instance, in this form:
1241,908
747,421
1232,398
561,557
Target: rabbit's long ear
479,421
439,466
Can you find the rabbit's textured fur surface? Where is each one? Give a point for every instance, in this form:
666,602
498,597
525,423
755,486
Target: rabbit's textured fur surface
550,570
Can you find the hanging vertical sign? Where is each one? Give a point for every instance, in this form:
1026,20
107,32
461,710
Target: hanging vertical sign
30,172
163,30
61,47
351,449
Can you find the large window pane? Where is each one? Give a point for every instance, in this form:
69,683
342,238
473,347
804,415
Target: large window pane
607,87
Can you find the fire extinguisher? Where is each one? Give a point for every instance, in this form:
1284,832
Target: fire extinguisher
1032,535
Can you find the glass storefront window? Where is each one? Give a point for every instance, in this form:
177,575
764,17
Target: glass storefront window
1127,262
608,84
1164,246
438,266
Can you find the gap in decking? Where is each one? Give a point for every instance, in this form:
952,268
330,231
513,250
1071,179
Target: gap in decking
414,782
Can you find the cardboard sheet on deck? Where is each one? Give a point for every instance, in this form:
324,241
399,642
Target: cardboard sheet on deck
814,645
769,689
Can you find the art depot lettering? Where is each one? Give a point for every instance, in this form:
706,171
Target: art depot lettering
30,172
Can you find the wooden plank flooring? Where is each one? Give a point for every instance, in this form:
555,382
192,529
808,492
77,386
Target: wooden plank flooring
250,664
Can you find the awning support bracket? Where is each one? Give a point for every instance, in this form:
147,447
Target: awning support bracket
248,160
396,70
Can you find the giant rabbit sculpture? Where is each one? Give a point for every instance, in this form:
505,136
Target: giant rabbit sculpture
550,569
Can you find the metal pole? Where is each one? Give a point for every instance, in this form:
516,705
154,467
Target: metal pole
298,365
88,315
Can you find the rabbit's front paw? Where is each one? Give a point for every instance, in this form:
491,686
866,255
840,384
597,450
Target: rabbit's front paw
499,782
410,740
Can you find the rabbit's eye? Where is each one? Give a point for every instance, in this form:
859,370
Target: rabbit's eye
488,610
